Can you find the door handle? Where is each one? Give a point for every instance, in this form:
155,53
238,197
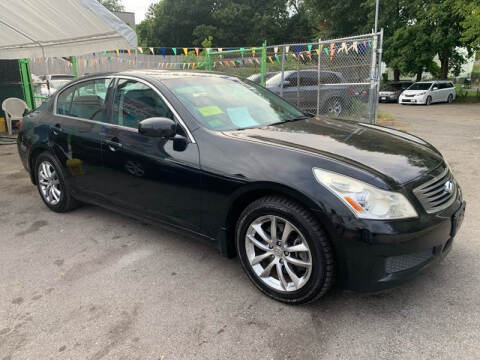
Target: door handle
114,144
57,129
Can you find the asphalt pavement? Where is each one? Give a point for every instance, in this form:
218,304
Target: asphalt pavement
92,284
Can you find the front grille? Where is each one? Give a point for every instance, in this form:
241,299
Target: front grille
403,262
409,95
438,193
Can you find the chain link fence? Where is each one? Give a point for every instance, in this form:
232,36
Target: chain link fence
338,77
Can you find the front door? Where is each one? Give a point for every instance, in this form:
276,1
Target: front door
148,176
80,110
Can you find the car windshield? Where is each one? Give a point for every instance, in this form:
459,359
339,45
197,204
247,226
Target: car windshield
58,83
274,81
420,86
389,87
225,103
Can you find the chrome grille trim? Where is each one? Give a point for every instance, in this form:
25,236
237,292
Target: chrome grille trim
433,195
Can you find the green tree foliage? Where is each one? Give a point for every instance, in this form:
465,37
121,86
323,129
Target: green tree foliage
230,22
415,31
112,5
470,9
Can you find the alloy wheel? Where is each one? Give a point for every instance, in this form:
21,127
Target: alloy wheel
49,183
334,107
278,253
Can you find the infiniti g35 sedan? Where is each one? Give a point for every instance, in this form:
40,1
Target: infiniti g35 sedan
304,202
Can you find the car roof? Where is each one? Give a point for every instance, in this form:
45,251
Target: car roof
160,74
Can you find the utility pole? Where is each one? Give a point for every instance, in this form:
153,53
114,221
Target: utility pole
376,15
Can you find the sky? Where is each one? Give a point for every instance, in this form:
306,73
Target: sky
139,7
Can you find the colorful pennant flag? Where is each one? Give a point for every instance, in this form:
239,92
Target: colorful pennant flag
185,51
174,50
197,51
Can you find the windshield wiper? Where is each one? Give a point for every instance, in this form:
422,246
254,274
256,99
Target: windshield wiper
291,120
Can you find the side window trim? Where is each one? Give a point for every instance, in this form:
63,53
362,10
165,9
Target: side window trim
115,78
177,117
75,86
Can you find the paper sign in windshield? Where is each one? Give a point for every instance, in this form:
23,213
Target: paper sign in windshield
241,117
210,110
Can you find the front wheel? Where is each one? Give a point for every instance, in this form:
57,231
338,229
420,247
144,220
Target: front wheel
450,99
284,250
334,106
429,101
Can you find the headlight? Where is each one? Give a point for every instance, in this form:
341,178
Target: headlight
364,200
421,94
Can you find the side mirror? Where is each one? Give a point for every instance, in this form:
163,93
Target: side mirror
286,83
435,88
158,127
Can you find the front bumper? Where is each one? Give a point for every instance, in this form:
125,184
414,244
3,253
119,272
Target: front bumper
416,100
387,98
387,254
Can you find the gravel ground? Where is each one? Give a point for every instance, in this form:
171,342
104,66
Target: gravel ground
92,284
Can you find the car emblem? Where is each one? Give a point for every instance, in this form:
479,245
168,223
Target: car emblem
448,187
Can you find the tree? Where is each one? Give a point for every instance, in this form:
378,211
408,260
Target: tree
229,22
470,10
445,32
112,5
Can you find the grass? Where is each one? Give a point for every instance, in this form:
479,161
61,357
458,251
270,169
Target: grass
384,116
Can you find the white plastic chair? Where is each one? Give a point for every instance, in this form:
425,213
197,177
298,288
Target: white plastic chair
14,109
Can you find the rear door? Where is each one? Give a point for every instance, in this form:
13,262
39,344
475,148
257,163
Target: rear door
77,119
147,176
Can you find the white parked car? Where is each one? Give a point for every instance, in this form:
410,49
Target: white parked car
427,92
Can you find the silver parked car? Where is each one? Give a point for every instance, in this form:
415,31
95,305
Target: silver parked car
300,88
428,92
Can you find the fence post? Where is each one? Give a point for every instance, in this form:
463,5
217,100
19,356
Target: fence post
318,76
26,77
298,79
263,66
371,98
379,74
74,65
282,71
209,61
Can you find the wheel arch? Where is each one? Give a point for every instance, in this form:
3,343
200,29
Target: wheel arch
32,157
245,196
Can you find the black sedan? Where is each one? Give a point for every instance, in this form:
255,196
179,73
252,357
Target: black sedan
304,202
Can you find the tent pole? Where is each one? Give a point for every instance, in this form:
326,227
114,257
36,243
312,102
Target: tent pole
74,65
26,78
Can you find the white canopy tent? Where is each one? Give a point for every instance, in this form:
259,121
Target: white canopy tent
60,28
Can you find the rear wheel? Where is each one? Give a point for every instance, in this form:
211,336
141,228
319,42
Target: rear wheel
51,184
429,101
284,250
450,99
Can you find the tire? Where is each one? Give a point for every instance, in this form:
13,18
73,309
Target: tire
428,102
51,184
311,262
334,106
450,99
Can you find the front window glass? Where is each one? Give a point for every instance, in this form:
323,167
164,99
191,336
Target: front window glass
135,101
228,103
420,86
85,100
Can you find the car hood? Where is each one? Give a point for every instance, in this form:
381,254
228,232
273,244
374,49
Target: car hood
413,92
382,151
